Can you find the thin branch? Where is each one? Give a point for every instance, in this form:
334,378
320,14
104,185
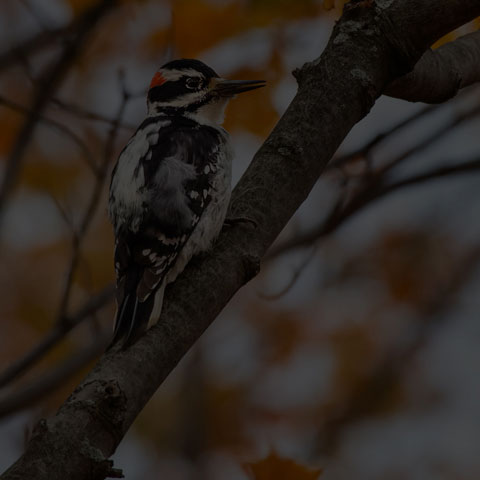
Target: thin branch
48,83
56,335
389,371
297,272
89,115
46,384
92,206
363,152
64,323
365,197
82,146
444,130
375,187
32,45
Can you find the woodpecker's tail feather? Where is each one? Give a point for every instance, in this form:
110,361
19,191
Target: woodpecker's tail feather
131,319
134,317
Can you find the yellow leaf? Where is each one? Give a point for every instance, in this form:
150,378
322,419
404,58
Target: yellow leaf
274,467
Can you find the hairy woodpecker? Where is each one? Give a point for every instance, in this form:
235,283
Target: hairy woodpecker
170,188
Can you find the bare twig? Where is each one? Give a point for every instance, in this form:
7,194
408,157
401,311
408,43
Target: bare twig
364,151
455,122
45,384
64,322
297,272
32,45
82,146
89,115
92,207
56,335
47,85
389,371
365,197
374,185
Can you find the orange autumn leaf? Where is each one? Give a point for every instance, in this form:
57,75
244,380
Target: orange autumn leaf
328,4
199,25
274,467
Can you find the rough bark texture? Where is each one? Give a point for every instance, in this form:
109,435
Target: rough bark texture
441,73
372,44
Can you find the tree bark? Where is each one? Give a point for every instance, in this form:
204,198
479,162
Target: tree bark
372,44
441,73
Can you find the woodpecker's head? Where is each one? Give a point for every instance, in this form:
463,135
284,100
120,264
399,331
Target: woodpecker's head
191,88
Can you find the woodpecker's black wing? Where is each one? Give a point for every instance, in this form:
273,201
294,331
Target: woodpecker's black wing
172,182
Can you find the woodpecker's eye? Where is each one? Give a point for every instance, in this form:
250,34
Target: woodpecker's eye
193,82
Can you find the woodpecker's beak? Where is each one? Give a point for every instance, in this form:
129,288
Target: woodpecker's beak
229,88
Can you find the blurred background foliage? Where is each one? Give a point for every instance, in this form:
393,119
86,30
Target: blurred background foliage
354,355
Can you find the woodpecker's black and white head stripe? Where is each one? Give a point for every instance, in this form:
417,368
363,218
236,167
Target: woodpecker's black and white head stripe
189,87
170,187
181,86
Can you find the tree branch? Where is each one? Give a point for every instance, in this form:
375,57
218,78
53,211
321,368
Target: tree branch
82,146
57,334
370,44
441,73
340,161
89,115
46,87
368,193
31,45
383,377
93,203
45,384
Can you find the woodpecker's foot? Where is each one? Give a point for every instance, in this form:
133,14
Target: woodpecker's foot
230,222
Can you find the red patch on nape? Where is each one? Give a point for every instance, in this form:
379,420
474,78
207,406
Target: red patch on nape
157,80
